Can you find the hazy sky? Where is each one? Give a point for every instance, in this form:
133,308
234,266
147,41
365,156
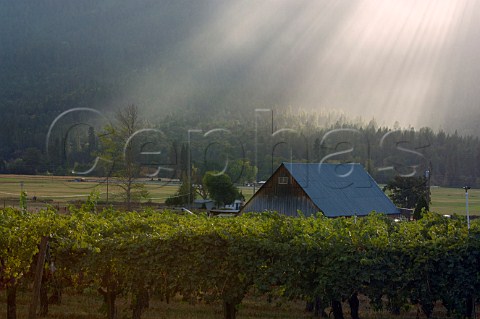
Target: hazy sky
412,61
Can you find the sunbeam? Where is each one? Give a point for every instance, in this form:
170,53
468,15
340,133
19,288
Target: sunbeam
407,61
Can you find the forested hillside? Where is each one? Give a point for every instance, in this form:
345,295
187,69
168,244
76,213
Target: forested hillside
61,55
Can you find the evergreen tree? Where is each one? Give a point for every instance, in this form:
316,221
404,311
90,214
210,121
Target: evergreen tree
406,192
184,195
421,208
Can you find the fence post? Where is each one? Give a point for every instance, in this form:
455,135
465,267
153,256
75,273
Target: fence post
32,311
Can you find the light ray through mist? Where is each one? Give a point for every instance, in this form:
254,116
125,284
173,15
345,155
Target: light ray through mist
395,60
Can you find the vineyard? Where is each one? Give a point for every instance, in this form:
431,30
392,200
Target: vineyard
133,256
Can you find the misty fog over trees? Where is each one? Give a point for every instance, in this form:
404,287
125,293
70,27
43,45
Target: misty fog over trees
452,159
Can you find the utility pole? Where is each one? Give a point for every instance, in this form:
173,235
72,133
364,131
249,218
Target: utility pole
107,189
189,167
466,188
427,186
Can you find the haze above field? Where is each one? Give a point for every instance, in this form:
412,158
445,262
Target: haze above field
408,61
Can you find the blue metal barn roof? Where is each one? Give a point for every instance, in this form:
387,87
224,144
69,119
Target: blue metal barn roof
341,189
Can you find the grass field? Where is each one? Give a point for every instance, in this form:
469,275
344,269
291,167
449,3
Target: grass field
452,201
88,305
60,190
64,189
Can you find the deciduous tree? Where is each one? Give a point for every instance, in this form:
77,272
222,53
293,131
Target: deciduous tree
118,147
220,188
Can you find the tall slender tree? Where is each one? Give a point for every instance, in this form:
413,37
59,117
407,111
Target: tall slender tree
119,147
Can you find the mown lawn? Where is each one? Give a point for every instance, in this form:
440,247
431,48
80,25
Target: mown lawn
60,190
63,189
452,201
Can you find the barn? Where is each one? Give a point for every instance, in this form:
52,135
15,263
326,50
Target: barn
333,189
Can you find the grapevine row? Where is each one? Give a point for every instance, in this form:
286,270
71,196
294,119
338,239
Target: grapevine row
210,259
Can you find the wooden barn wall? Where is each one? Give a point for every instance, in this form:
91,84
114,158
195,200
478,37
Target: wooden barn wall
285,199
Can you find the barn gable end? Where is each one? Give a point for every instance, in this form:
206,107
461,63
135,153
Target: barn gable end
281,193
333,189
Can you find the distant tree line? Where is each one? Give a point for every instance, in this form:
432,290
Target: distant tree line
248,151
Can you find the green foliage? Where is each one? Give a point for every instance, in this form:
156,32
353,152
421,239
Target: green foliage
209,259
420,208
20,233
23,201
184,195
407,192
241,171
220,188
